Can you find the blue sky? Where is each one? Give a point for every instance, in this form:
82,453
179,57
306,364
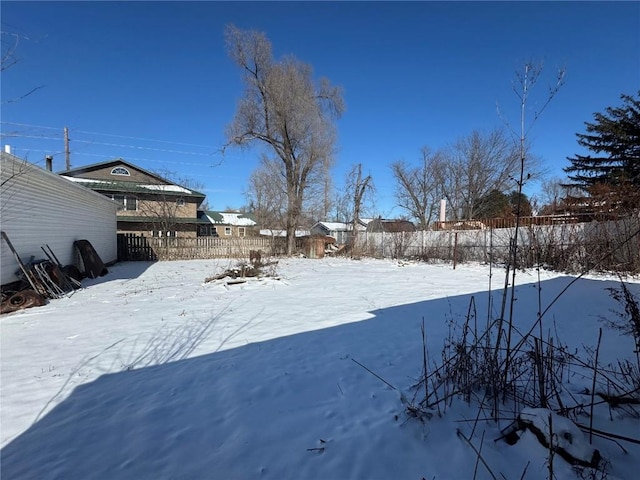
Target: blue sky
151,81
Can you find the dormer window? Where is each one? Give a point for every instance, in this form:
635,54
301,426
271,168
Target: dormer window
120,171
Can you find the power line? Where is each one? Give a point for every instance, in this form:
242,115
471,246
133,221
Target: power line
109,135
92,142
220,155
39,137
144,159
77,154
142,148
146,139
31,126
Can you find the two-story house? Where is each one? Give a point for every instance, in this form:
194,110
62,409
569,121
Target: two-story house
148,204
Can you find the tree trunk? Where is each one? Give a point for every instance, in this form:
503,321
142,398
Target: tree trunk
293,216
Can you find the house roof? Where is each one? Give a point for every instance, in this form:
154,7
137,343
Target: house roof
338,226
106,186
390,226
230,218
23,166
165,186
116,161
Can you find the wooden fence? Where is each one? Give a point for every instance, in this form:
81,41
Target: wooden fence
135,248
140,248
510,222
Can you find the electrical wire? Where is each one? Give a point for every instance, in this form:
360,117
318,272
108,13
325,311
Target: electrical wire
146,139
110,135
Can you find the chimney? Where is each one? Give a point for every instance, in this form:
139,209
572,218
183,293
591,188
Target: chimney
7,149
49,162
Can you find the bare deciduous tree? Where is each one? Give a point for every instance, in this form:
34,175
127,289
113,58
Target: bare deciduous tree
357,188
475,165
267,194
8,59
284,110
551,196
166,206
417,189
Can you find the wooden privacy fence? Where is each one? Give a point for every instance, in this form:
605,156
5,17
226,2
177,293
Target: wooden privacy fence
134,248
138,247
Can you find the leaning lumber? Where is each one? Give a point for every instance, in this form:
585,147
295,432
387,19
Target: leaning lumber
25,270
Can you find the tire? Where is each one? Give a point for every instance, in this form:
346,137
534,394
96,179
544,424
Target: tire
22,300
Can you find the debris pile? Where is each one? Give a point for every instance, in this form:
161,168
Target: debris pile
47,278
254,268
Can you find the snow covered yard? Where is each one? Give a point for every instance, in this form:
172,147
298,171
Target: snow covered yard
150,373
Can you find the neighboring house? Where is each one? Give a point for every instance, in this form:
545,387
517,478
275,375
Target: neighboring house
390,226
148,203
341,231
40,208
226,224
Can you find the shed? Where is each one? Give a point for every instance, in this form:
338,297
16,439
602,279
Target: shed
314,246
341,231
40,208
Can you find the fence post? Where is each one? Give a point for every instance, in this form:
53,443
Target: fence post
455,249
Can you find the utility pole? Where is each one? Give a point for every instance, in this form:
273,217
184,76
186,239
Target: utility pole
67,153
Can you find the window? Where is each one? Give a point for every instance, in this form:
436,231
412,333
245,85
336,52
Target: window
180,202
120,171
119,199
125,203
227,230
207,231
241,231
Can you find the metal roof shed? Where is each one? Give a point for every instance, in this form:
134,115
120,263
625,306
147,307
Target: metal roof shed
40,208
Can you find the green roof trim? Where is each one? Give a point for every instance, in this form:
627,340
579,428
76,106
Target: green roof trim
124,188
132,219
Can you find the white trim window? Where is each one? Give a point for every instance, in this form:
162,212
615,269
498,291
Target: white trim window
227,231
242,232
180,202
120,171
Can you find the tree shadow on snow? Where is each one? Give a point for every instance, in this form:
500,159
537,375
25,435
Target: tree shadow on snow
237,413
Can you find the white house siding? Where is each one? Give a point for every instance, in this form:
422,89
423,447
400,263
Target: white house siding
40,208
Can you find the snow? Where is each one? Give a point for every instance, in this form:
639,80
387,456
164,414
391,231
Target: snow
83,180
149,372
148,186
165,188
282,233
566,435
231,218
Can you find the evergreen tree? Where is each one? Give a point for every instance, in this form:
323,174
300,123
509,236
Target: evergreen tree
494,204
525,204
614,139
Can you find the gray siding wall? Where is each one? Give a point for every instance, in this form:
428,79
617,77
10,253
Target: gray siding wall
40,208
